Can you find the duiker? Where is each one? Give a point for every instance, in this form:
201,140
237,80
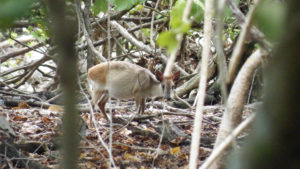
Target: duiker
124,80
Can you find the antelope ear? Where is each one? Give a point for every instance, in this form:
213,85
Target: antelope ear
176,76
159,75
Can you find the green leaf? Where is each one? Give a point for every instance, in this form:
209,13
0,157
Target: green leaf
13,9
176,23
146,31
197,11
176,14
99,6
270,18
122,4
168,40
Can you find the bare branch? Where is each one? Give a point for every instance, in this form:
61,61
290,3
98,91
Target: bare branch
239,48
194,151
18,52
142,46
86,34
221,58
237,98
227,142
256,34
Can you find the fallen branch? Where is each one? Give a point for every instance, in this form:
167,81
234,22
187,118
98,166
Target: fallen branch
227,142
18,52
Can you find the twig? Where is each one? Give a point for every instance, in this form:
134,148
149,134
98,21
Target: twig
227,142
251,87
239,48
160,141
96,126
100,42
152,20
23,95
257,35
34,48
109,37
183,101
88,39
18,52
29,65
194,151
179,37
141,45
138,148
221,58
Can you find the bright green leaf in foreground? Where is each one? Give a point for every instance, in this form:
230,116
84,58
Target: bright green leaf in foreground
122,4
269,18
13,9
168,40
197,11
176,14
99,6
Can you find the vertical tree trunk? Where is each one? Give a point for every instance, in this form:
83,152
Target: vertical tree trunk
275,139
63,33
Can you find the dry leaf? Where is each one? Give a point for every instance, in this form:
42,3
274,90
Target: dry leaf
175,150
82,155
23,105
56,108
19,118
46,120
130,157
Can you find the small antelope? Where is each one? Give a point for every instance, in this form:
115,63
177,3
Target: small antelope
124,80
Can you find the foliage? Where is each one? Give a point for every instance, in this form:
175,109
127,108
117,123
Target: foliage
197,11
20,8
269,18
101,5
168,38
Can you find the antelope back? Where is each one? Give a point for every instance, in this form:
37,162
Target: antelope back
124,80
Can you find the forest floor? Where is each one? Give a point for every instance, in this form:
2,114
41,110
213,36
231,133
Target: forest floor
158,139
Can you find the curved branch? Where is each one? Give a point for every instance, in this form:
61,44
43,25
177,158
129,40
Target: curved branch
239,48
256,34
237,98
18,52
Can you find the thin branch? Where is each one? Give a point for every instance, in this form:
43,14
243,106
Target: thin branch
152,20
23,94
256,34
32,48
23,39
110,37
183,101
239,48
18,52
221,58
87,37
237,98
100,42
227,142
141,45
24,67
95,124
194,151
